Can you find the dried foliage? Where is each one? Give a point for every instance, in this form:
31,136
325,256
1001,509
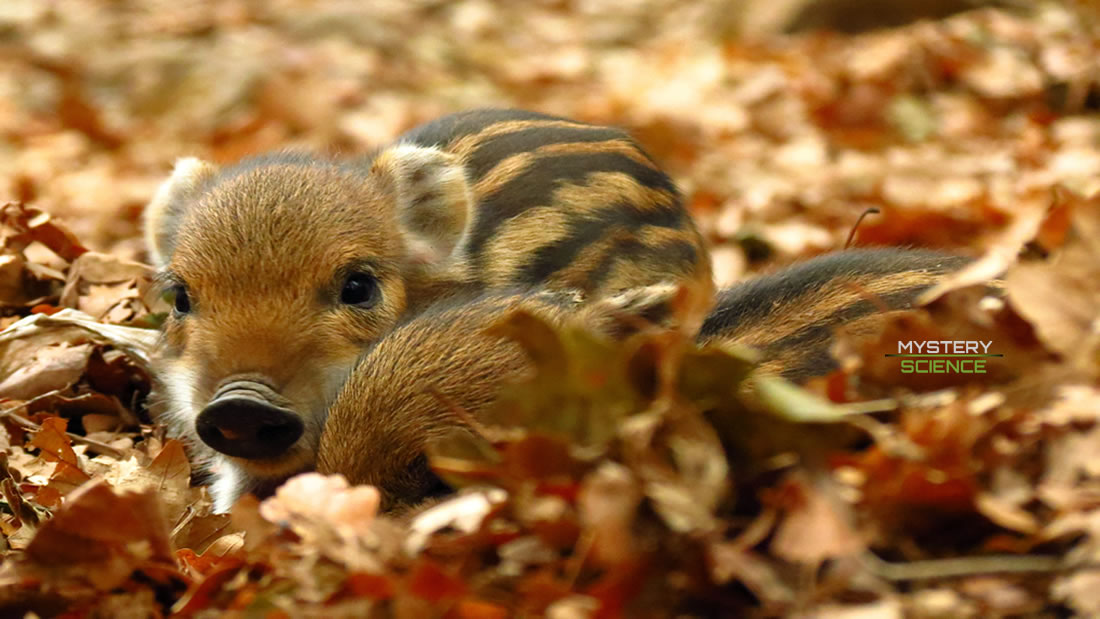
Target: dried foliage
643,479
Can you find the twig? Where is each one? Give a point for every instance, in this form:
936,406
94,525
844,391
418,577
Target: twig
187,516
27,424
575,564
852,234
963,566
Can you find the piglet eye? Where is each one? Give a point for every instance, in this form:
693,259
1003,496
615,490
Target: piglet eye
360,289
181,303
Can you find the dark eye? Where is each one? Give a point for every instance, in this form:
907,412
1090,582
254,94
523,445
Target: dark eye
181,303
360,289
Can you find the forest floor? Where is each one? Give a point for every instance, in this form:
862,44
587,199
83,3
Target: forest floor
973,496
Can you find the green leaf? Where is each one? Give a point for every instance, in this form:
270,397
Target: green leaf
793,403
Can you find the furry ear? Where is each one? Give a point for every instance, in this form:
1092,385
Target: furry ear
162,215
434,200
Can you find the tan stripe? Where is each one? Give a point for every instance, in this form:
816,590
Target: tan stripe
501,173
819,306
515,165
467,144
603,191
517,240
619,146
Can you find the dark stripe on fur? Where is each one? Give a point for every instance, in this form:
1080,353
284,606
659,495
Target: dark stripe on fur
583,232
443,131
632,251
754,300
497,148
813,336
534,187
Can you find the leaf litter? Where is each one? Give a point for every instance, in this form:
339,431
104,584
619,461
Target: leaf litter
649,478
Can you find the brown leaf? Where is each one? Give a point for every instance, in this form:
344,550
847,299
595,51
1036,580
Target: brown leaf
539,456
582,377
12,284
221,550
101,515
1080,591
1005,514
96,422
97,537
206,532
66,478
99,283
431,582
51,368
730,562
31,224
680,462
168,477
20,340
1061,297
54,442
373,586
315,499
170,465
816,527
1071,457
1028,218
608,504
246,518
477,609
537,338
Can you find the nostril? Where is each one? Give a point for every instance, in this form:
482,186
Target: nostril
230,434
280,433
244,426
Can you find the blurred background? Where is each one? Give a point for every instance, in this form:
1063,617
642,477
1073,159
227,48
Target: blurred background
782,120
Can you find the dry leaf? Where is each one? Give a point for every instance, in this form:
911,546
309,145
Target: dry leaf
51,368
98,537
816,527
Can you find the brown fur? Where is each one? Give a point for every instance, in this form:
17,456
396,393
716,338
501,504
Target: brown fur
476,201
389,408
381,421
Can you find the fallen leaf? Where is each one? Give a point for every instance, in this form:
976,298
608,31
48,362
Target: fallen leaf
1061,297
167,476
816,526
54,442
51,368
607,504
34,225
98,537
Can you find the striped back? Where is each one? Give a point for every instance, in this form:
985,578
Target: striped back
565,204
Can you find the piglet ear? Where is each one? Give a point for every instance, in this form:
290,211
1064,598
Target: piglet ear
434,200
163,214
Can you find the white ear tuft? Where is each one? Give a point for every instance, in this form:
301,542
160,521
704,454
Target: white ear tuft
162,215
434,200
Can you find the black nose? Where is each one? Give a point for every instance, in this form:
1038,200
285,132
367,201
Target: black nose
244,426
